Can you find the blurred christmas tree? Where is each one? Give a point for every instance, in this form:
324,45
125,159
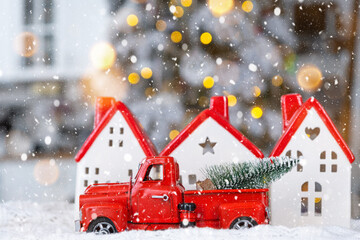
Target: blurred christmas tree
176,54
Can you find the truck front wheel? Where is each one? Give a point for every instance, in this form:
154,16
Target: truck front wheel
243,222
102,225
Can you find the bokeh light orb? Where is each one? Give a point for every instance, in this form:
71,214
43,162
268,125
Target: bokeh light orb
173,134
133,78
146,72
160,25
205,38
231,100
208,82
277,81
247,6
309,77
179,12
203,101
102,55
96,83
220,7
256,91
132,20
186,3
256,112
46,172
26,44
176,37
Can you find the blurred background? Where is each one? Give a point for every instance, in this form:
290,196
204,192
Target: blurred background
164,59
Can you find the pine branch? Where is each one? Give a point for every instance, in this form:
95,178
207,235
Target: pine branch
246,175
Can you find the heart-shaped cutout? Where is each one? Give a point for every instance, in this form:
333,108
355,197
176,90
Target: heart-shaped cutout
312,133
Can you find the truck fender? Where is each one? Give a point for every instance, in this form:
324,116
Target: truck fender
228,212
117,214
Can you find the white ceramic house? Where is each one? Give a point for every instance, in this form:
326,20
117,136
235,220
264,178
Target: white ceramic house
114,149
317,191
208,140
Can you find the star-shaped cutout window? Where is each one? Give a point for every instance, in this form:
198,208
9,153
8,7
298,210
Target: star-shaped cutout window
208,146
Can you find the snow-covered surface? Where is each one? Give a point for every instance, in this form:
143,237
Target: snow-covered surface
29,220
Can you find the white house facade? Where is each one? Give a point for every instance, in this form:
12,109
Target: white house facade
317,191
209,139
114,150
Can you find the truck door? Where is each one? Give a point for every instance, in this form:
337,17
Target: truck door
155,197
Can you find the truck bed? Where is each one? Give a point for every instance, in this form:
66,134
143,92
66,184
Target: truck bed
208,201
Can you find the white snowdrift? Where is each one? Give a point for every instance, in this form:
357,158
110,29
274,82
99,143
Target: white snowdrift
28,220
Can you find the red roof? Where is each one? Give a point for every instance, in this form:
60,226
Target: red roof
299,117
222,121
139,133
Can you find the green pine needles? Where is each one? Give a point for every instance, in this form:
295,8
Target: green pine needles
249,175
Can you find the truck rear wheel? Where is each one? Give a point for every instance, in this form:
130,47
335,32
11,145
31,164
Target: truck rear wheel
242,223
102,225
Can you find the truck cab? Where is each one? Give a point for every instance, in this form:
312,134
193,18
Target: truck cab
157,192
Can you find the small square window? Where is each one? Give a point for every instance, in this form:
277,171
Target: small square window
121,130
97,170
111,130
110,143
86,170
96,182
85,183
192,179
322,167
130,172
120,143
299,167
334,168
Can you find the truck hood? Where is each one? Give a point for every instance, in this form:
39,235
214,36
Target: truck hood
107,188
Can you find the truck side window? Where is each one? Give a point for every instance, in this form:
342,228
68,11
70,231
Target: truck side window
154,173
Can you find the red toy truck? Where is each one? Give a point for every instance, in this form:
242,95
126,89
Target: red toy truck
157,200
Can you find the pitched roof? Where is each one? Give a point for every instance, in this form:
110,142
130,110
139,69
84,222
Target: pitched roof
299,117
222,121
144,141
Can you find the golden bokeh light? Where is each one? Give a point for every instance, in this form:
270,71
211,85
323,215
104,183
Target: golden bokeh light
277,80
176,37
220,7
208,82
205,38
256,112
26,44
46,172
173,134
160,25
231,100
133,78
104,83
247,6
186,3
146,72
203,101
132,20
149,92
309,77
179,12
103,55
256,91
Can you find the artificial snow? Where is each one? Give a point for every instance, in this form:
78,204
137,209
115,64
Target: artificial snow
54,220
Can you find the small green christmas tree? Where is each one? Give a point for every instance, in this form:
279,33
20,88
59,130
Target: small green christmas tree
249,175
